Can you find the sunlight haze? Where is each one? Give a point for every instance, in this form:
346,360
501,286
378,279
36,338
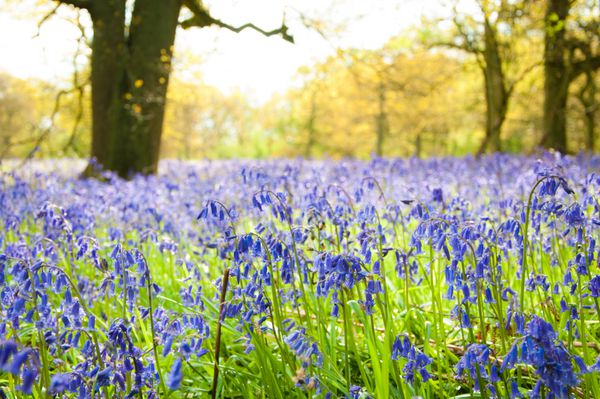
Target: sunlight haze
248,62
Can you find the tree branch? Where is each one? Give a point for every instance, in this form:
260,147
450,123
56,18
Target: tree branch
470,44
456,46
86,4
201,18
45,19
590,64
523,75
79,88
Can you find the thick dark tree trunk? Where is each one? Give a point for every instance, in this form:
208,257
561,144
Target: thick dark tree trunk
130,74
136,141
557,76
381,119
496,95
108,66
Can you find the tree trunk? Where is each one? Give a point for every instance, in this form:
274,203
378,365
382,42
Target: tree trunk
311,126
496,95
130,75
587,97
108,63
556,77
382,120
590,124
418,145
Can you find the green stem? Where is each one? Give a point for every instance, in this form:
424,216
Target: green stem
525,229
151,314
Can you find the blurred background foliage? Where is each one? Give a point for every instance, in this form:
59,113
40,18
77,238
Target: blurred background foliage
420,94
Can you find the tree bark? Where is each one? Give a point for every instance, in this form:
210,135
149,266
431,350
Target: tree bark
136,141
131,65
108,65
557,76
130,74
496,94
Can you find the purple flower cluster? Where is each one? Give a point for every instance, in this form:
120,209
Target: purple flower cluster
417,361
553,364
118,288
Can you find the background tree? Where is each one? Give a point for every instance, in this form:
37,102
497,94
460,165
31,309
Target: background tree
15,114
32,111
400,98
130,69
587,97
491,35
372,71
427,105
571,48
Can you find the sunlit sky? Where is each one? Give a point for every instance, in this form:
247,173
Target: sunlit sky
255,65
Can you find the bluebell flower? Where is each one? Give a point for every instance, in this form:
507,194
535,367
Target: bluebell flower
356,392
176,375
476,361
306,350
437,195
18,360
28,379
417,361
552,363
59,382
7,350
104,376
594,286
514,390
574,216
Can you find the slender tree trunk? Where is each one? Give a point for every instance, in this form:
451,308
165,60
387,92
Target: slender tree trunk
590,119
382,119
587,97
496,95
189,114
311,126
556,76
130,75
418,145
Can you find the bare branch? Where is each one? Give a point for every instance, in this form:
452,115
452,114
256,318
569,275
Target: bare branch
590,64
85,4
456,46
79,88
282,30
463,41
523,75
46,18
46,131
77,123
469,42
10,144
201,18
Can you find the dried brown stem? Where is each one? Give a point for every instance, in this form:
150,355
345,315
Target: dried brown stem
224,284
